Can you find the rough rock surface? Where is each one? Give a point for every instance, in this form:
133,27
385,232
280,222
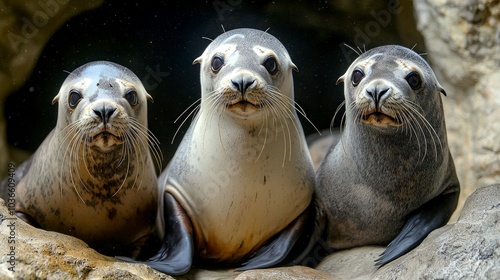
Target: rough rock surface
463,45
467,249
356,263
25,28
31,253
295,272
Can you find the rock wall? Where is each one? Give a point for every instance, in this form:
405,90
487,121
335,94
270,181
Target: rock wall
463,43
25,28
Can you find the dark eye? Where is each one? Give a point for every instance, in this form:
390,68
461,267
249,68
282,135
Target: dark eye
217,63
131,97
414,80
271,65
74,98
357,76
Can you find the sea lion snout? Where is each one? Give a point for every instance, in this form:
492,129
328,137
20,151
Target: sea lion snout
242,83
377,94
244,87
377,91
104,112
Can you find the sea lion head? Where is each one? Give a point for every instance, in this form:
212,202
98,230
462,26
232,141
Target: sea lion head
246,71
390,86
103,103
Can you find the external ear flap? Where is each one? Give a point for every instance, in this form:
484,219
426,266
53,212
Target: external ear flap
441,90
55,100
197,60
340,80
149,98
294,67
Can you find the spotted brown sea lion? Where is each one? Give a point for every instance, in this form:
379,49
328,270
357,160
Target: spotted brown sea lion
93,176
391,179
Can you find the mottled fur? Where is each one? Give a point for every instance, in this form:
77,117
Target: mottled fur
94,178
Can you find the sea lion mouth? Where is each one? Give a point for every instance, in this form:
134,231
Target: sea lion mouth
380,119
106,134
105,139
243,104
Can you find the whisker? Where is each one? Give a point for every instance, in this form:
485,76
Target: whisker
432,132
214,103
283,108
186,118
265,135
294,105
221,115
127,149
152,142
334,115
353,49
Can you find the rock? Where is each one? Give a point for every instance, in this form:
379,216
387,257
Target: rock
31,253
352,263
196,273
485,162
468,249
25,28
285,273
463,46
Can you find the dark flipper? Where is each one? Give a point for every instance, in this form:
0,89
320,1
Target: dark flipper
28,219
430,216
278,249
176,254
316,247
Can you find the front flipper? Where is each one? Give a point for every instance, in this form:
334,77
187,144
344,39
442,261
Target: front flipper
28,219
176,254
430,216
276,251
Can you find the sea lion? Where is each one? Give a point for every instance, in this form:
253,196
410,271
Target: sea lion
241,181
93,177
391,179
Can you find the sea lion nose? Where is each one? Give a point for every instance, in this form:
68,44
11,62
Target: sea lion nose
376,93
104,113
243,83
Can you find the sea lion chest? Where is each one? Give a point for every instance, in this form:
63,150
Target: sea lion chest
239,186
63,197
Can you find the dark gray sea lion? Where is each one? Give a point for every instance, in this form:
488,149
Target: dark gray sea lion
93,176
391,179
241,181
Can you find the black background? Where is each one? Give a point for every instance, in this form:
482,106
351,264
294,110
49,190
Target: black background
168,36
